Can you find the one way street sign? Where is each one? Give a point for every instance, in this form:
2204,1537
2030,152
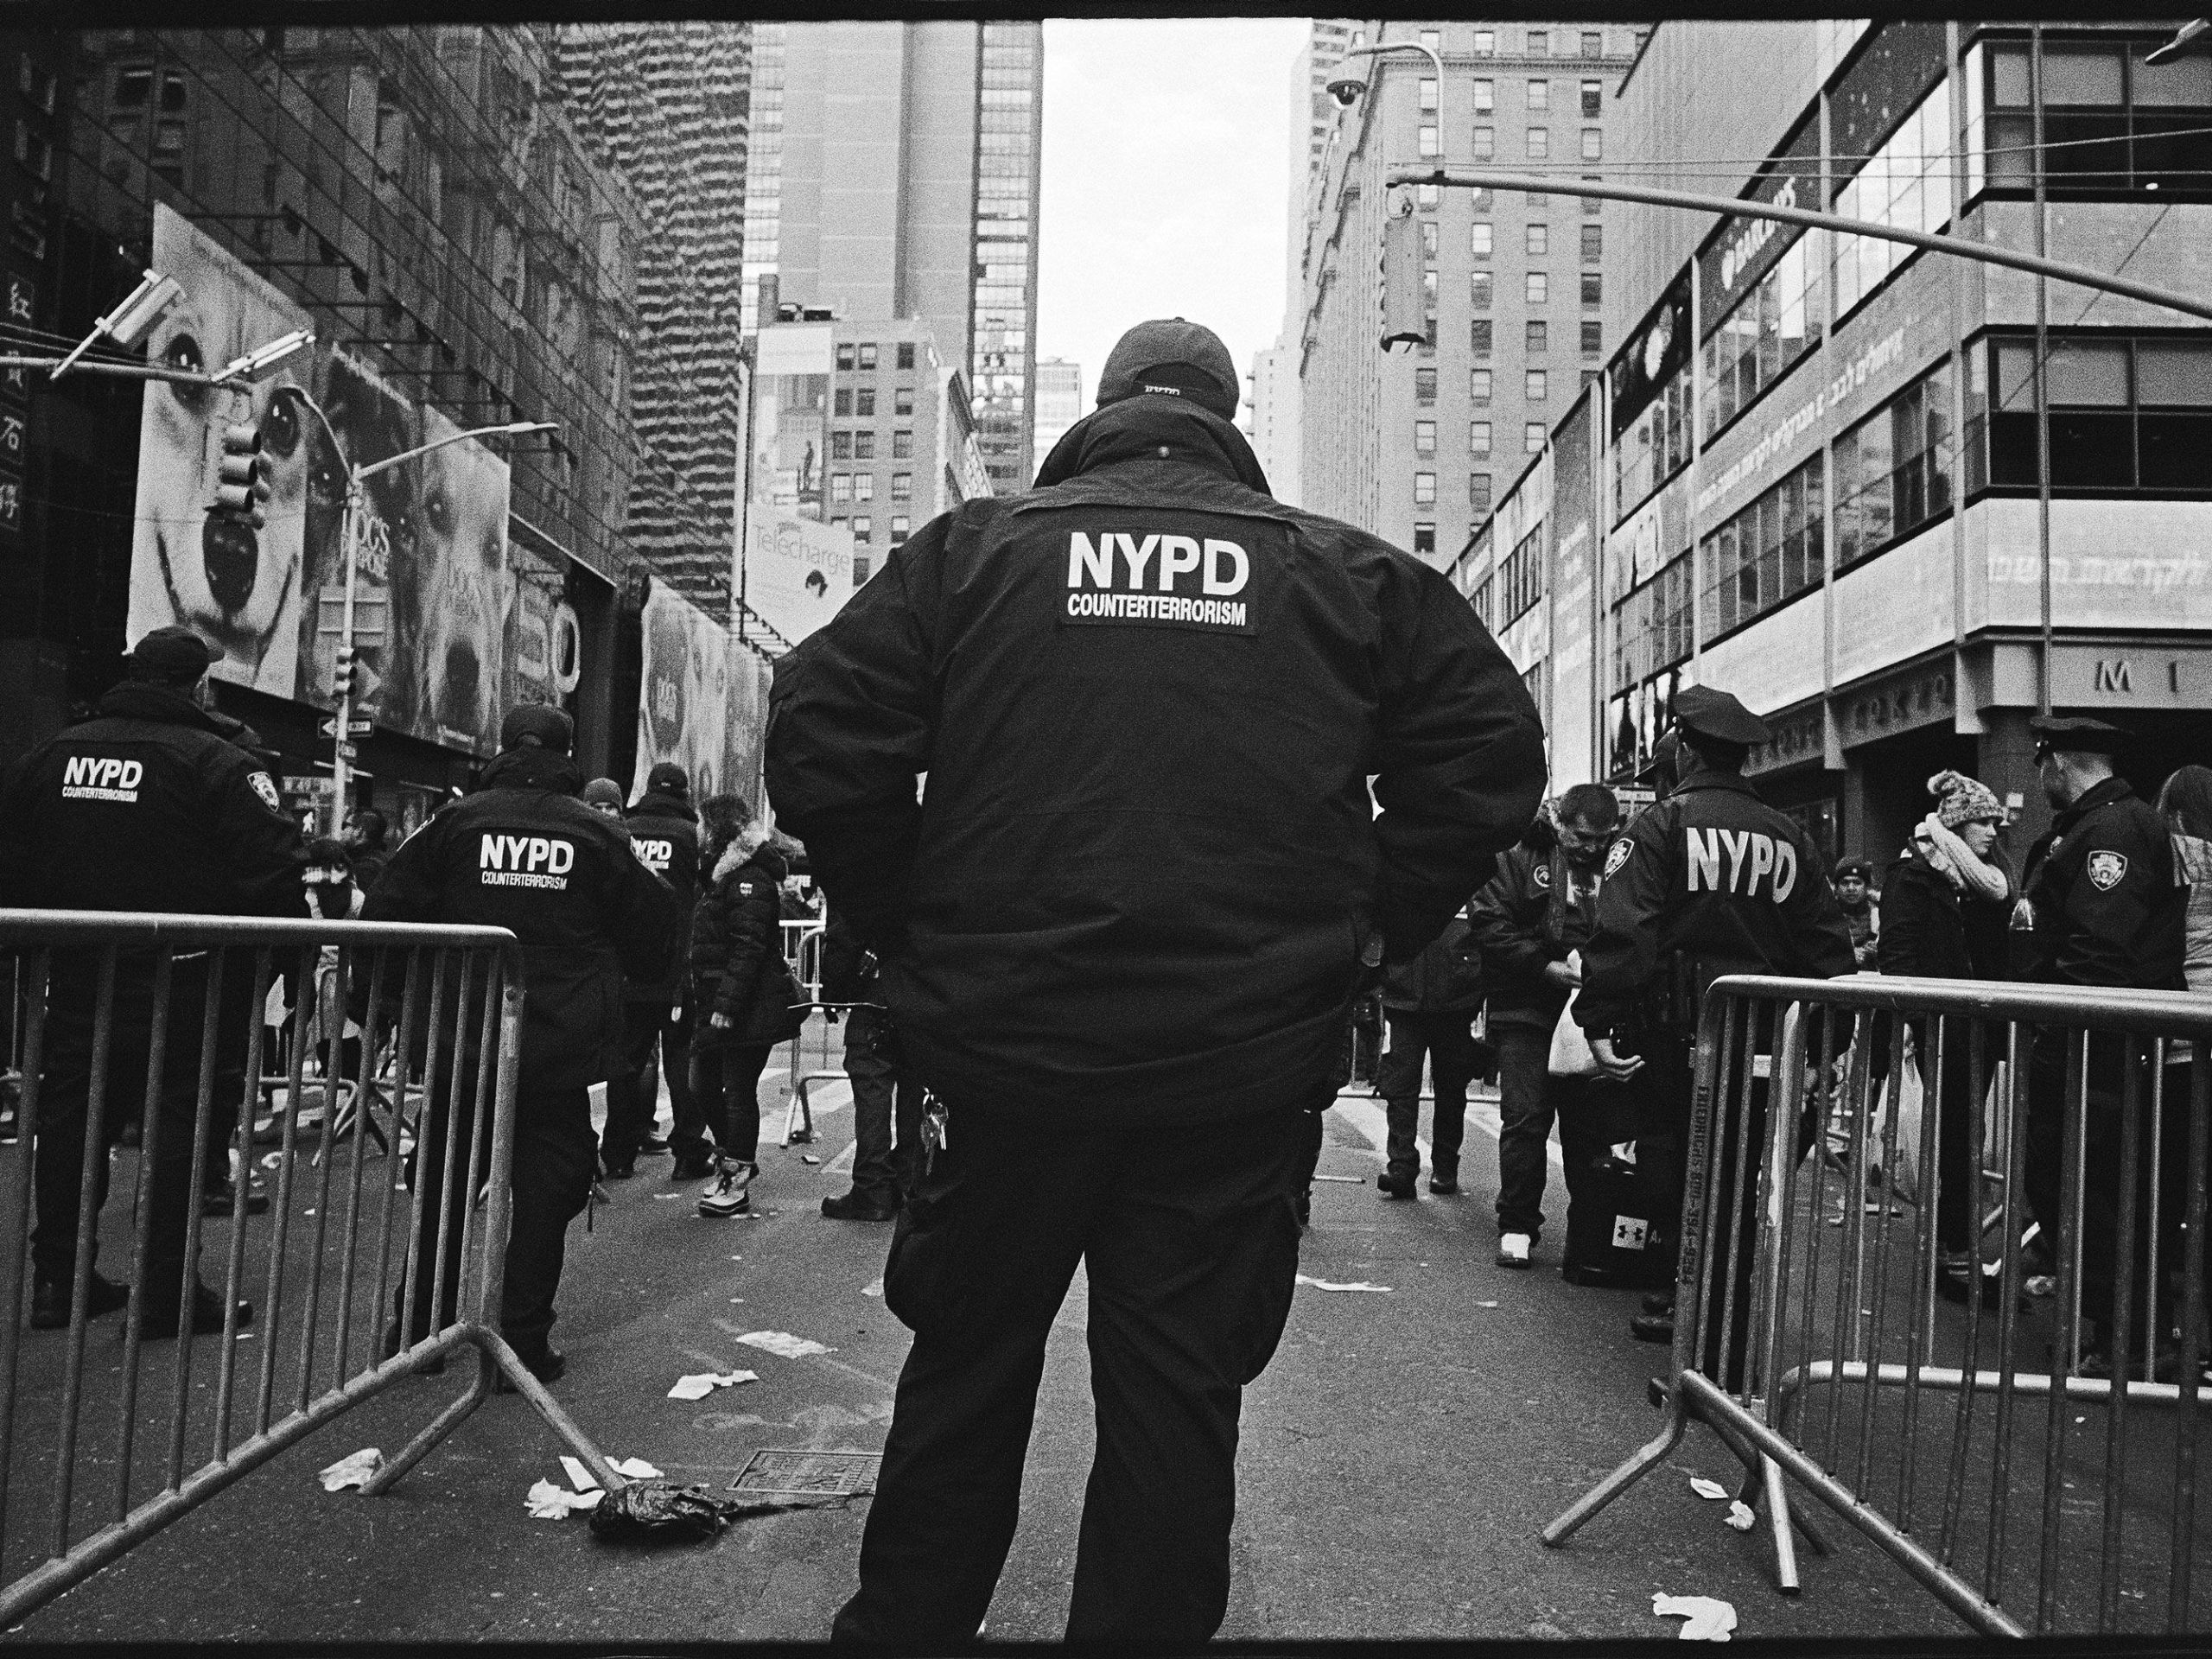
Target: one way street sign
356,727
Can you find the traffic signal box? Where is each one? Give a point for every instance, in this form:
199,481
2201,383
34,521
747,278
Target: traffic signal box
242,476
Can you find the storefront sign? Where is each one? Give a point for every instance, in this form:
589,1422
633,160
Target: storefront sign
1798,739
1745,250
1919,698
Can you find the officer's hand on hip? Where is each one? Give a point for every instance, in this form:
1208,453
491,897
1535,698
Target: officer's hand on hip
719,1021
1620,1068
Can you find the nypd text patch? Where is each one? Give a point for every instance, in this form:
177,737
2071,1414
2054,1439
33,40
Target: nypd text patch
1158,579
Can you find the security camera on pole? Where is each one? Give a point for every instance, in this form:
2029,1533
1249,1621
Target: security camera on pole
352,629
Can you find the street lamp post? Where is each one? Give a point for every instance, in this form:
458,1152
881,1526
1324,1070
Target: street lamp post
350,534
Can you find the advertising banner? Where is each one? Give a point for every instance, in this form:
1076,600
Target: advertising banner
799,573
683,695
1573,660
370,421
230,583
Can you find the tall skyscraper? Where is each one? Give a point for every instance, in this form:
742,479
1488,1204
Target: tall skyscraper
1059,401
895,175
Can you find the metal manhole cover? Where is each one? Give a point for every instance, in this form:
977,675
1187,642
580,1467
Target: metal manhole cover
838,1474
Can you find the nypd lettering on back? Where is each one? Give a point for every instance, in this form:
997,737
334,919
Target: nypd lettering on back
504,860
1158,579
98,778
1747,857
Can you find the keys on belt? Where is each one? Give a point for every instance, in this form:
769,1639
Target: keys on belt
933,1131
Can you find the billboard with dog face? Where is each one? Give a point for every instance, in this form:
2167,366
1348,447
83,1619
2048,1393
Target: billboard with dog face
702,701
228,582
370,420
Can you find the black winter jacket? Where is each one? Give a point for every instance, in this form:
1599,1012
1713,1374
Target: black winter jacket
2100,885
665,833
737,952
1148,698
850,972
149,805
1532,912
524,853
1447,974
1932,931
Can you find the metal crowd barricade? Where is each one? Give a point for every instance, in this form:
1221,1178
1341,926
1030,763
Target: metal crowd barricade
2030,1458
113,1419
802,946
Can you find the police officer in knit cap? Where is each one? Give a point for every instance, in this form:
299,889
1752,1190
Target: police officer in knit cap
148,806
656,1013
1681,906
592,913
2099,905
1134,902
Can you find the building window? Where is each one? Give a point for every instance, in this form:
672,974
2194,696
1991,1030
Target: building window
842,403
1892,471
1538,288
1540,43
1478,290
1593,244
1429,145
1535,385
1428,238
898,529
1428,196
864,401
1424,437
1593,44
1593,99
868,354
1652,627
1767,554
2114,124
1431,39
862,527
1593,289
861,569
841,446
1478,438
1424,489
1654,447
902,487
841,489
1485,42
864,486
905,358
1424,538
1425,388
1479,492
902,401
863,446
1905,185
902,446
1593,144
1532,437
1428,93
1481,238
1592,205
1486,97
1537,238
1485,144
1540,143
1478,387
845,355
1540,95
1539,198
1773,324
1593,338
1536,337
2131,415
1478,337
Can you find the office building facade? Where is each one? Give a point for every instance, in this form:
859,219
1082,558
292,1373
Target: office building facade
1059,402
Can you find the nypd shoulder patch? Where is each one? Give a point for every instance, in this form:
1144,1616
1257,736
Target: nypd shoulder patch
1542,876
1619,855
2107,870
265,786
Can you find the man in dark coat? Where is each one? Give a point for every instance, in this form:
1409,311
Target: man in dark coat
1148,698
2098,906
1430,1002
524,853
148,806
1709,881
664,833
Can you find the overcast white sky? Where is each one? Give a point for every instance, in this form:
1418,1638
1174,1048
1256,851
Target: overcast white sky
1166,181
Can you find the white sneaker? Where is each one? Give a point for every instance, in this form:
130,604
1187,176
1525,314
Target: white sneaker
1513,1251
730,1193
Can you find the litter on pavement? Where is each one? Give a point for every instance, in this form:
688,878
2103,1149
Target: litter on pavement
1323,1284
355,1472
656,1511
783,1343
1710,1619
808,1158
1486,1304
1705,1488
873,1288
547,1502
700,1385
580,1476
1741,1516
1349,1180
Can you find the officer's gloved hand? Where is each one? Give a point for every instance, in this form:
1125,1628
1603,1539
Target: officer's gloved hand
1370,967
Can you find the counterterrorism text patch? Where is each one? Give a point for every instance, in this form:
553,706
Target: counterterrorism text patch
1158,578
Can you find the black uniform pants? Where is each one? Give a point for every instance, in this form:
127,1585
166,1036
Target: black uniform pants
551,1185
871,1063
1445,1037
65,1101
633,1092
1192,1261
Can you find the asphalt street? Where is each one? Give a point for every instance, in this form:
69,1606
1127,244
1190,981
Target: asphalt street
1399,1456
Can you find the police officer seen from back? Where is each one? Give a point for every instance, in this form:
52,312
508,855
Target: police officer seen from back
2099,905
590,914
1710,881
148,806
1121,937
656,1016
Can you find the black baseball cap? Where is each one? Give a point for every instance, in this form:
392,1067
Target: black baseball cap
2077,735
1175,359
668,779
175,652
540,723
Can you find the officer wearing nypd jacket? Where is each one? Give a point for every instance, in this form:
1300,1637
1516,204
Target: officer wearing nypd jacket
524,853
1121,937
1710,881
148,806
664,832
2099,905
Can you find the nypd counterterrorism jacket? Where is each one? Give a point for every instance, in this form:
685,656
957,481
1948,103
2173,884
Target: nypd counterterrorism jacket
1714,877
148,806
524,853
666,835
2102,894
1148,699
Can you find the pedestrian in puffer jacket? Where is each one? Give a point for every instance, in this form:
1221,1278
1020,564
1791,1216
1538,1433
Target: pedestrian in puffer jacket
741,983
1430,1002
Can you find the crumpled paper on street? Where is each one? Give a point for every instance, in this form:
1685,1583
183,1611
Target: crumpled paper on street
782,1343
1705,1488
580,1476
1741,1516
547,1502
1710,1619
1323,1284
700,1385
355,1472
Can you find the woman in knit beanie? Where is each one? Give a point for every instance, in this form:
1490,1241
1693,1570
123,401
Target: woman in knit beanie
1944,913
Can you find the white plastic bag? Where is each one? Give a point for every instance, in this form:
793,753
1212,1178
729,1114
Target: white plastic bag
1571,1055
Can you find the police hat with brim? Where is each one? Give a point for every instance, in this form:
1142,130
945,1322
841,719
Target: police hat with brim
1665,753
1701,711
174,653
2076,735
